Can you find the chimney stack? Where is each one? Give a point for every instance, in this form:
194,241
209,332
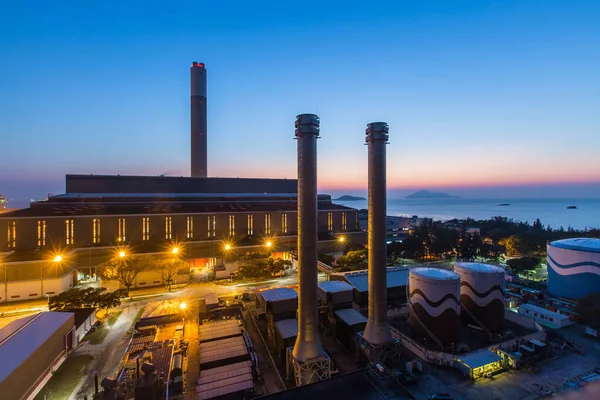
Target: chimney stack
308,344
377,331
199,156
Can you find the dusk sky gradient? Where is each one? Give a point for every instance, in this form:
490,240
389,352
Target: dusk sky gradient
478,94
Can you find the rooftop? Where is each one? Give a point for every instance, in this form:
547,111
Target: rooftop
279,294
479,358
435,273
580,244
287,328
479,267
20,338
351,316
335,286
396,277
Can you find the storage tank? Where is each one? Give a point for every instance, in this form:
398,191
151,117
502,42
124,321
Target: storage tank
482,293
573,267
434,304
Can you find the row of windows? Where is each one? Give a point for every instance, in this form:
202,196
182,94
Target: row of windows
330,222
122,229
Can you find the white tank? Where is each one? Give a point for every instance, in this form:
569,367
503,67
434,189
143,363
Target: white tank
482,293
434,302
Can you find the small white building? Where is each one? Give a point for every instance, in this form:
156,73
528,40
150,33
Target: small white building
545,317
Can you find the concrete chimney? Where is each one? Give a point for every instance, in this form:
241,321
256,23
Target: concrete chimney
199,156
377,331
308,344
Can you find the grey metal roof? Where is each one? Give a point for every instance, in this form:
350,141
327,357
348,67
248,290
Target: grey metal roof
279,294
19,341
351,316
396,277
480,358
335,286
287,328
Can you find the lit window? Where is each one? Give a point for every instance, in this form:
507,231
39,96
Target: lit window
122,235
145,228
250,225
267,224
212,224
189,230
41,233
232,225
12,234
343,222
95,231
330,222
284,225
168,228
70,239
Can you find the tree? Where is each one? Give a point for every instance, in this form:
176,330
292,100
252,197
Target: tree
523,265
258,268
167,266
277,266
353,260
588,308
83,298
123,270
512,244
111,300
326,258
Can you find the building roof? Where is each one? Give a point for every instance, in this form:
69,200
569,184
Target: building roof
82,314
350,316
279,294
18,340
554,315
479,267
435,273
480,358
287,328
335,286
580,244
396,277
222,350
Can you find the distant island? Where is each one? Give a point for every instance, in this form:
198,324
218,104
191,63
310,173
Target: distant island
349,198
426,194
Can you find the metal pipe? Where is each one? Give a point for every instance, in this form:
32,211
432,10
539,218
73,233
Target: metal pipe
95,383
377,330
199,151
308,344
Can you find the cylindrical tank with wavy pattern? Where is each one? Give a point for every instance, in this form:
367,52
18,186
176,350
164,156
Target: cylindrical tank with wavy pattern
574,267
482,293
434,302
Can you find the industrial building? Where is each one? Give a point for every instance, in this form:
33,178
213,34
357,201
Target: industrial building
545,317
396,281
573,267
31,349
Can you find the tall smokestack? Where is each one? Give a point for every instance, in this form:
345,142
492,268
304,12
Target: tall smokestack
308,344
199,157
377,330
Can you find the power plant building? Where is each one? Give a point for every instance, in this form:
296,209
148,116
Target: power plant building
396,281
482,294
573,267
434,305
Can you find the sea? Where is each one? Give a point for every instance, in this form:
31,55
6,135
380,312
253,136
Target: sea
551,212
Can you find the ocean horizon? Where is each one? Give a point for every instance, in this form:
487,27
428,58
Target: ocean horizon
551,212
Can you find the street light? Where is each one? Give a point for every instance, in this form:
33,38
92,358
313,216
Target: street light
183,306
175,250
121,254
227,246
58,258
268,243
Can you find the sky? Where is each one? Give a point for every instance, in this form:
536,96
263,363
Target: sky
480,96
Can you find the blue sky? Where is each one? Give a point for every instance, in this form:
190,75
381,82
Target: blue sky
478,94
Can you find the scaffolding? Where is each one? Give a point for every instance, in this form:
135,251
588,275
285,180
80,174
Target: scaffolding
310,371
386,353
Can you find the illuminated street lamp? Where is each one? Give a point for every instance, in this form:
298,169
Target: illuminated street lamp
269,243
227,246
121,254
183,306
175,250
57,259
341,239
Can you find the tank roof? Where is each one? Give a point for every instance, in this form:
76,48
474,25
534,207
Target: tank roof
580,244
479,267
435,273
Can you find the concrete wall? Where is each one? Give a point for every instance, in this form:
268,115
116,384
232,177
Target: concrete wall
84,328
32,289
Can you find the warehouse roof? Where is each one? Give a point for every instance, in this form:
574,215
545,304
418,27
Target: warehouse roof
287,328
351,316
279,294
19,339
335,286
396,277
580,244
480,358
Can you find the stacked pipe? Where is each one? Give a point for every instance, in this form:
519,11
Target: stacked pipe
308,344
377,331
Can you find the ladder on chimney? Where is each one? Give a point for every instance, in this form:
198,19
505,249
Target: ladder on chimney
435,339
